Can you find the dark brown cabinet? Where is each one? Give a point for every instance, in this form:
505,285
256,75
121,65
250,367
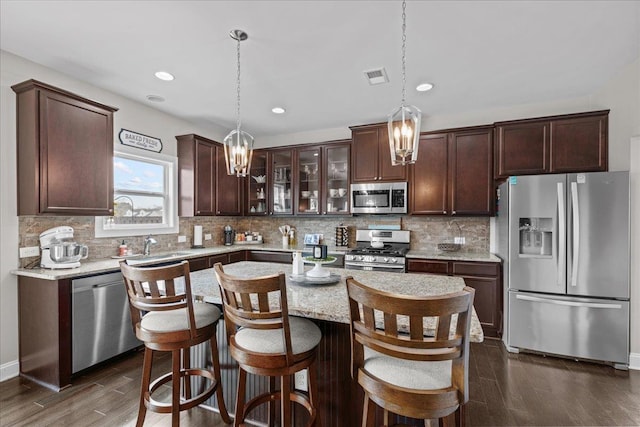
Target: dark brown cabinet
371,157
484,277
257,188
65,152
202,263
558,144
453,174
204,187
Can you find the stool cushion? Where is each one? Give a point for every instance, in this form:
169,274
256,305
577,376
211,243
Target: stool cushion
178,320
305,335
413,374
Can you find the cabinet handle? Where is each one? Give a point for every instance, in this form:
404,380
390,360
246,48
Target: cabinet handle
444,212
453,212
271,213
198,212
324,213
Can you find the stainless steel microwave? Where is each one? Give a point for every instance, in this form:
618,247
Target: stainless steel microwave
380,197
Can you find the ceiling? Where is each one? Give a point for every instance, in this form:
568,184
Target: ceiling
309,56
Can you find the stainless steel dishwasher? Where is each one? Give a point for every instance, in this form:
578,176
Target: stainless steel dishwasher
101,320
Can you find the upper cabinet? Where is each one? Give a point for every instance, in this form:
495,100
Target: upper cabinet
65,152
257,187
323,179
454,173
203,184
558,144
281,180
371,156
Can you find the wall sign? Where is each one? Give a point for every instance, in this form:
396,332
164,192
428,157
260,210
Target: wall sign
138,140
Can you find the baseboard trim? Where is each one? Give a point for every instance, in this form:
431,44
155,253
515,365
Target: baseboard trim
634,361
12,369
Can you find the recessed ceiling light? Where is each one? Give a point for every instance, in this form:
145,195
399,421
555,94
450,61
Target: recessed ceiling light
423,87
278,110
163,75
155,98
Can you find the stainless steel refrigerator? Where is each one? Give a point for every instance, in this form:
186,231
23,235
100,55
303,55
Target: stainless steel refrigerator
565,244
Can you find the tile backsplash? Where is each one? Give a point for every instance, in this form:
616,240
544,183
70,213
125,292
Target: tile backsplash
426,232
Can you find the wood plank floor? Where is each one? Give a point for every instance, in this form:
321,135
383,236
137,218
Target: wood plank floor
506,390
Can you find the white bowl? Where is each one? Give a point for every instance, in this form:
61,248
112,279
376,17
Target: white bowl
305,194
333,192
315,193
342,192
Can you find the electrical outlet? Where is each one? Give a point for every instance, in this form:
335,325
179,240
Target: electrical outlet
182,239
459,240
300,380
207,237
29,251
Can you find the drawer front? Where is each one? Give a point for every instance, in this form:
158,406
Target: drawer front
222,258
237,256
265,256
196,264
427,266
491,269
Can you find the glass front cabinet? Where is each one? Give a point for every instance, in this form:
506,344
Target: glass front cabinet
309,181
281,182
258,190
336,179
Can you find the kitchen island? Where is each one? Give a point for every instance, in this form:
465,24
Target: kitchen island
340,396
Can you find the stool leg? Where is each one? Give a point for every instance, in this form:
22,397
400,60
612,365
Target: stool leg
312,377
175,388
285,401
215,360
186,364
385,418
271,406
368,412
242,385
144,386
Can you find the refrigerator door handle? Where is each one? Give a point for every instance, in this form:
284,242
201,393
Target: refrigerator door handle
569,303
576,234
562,252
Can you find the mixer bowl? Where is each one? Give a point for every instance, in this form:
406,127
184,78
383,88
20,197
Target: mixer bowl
68,252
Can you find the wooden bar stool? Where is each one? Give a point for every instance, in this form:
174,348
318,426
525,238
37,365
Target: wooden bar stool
405,372
264,340
165,318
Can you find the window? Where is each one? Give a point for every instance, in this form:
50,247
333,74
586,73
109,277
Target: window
143,197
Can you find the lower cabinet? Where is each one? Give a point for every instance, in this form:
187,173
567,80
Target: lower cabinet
205,262
269,256
484,277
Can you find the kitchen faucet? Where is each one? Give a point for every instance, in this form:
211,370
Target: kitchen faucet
148,241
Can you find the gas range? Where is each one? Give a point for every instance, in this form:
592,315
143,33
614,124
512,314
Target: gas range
387,257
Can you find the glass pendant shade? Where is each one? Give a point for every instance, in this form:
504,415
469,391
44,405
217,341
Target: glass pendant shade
404,134
238,151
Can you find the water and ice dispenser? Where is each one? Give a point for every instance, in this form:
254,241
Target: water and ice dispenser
536,237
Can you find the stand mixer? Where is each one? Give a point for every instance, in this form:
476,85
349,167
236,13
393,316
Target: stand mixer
59,250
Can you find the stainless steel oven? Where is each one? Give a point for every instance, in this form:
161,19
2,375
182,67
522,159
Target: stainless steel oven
379,250
380,197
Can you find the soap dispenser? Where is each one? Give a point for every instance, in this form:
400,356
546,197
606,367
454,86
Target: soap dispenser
298,264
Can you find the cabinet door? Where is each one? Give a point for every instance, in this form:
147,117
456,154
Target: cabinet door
76,156
257,186
282,190
487,302
522,148
336,173
309,179
204,188
471,169
428,184
579,144
228,188
428,266
364,150
386,171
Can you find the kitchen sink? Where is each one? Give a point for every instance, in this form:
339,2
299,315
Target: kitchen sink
147,258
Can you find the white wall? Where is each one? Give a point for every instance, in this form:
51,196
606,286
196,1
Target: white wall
616,95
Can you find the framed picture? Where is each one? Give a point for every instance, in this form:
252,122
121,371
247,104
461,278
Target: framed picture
311,239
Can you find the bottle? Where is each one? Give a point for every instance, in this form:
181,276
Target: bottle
293,241
298,263
122,249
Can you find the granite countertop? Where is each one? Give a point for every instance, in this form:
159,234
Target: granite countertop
453,256
110,264
330,302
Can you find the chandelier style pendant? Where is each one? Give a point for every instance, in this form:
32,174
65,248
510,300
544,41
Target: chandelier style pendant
238,145
404,122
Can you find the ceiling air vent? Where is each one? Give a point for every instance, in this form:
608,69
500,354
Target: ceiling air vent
377,76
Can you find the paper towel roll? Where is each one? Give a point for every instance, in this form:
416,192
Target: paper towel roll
197,235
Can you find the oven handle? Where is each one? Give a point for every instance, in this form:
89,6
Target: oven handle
393,266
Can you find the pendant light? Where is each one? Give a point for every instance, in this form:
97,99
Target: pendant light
238,145
404,122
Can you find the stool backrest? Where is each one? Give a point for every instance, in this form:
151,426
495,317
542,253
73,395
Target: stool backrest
247,304
158,289
375,316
